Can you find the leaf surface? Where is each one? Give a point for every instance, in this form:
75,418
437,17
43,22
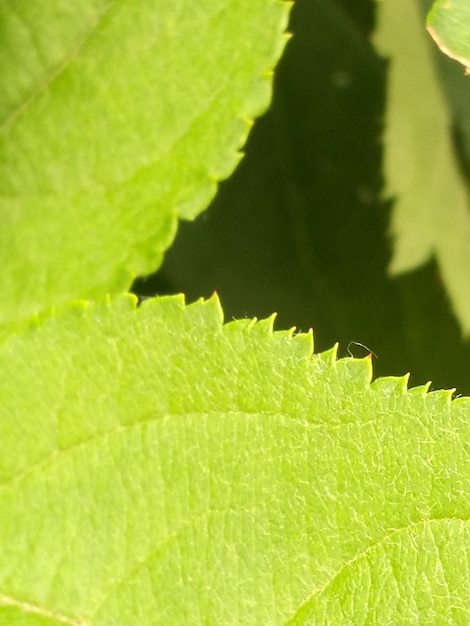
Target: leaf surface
169,469
449,25
431,211
119,116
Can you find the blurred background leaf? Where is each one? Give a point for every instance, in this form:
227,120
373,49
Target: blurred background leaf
302,227
449,25
430,214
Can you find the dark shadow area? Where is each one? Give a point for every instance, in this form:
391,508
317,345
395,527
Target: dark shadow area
301,229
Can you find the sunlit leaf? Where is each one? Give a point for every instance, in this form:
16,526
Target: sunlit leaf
118,117
166,469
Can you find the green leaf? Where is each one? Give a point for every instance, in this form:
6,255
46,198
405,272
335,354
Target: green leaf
300,227
431,215
449,25
166,469
118,118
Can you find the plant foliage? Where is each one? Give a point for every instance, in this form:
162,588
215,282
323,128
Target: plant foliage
119,117
167,460
448,23
156,465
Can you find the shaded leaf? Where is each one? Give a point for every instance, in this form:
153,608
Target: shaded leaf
431,215
449,25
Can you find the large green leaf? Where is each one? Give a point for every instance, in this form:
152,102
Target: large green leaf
117,118
157,467
431,213
449,24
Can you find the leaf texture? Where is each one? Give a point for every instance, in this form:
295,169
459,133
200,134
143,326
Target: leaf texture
119,117
168,469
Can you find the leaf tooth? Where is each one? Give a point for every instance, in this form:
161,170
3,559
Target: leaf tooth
266,326
392,385
421,390
358,371
440,397
329,357
306,340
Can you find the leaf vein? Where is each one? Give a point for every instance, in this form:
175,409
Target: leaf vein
20,109
34,608
362,553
